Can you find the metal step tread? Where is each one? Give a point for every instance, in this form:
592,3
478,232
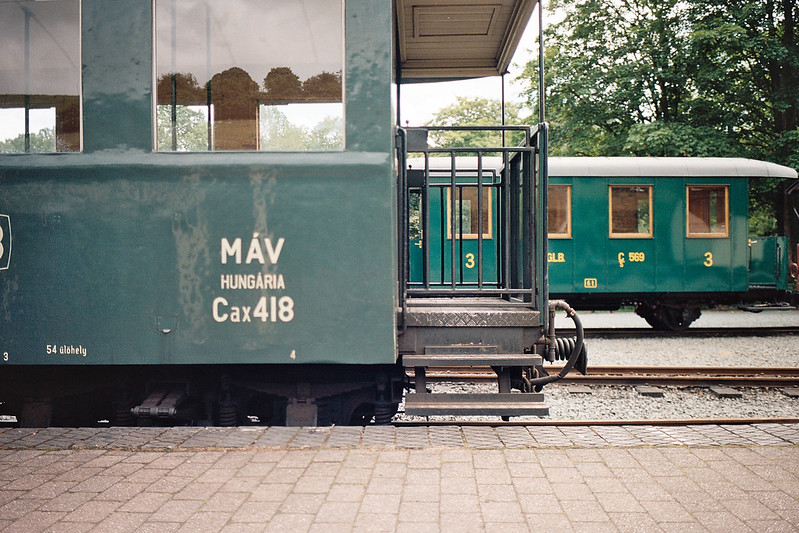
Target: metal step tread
471,359
505,404
465,312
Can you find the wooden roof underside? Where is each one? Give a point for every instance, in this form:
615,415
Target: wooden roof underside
452,39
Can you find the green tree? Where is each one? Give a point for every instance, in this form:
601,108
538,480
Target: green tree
278,133
612,65
326,135
42,141
475,112
674,78
191,129
746,56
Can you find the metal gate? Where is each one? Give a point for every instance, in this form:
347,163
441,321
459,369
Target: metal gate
472,219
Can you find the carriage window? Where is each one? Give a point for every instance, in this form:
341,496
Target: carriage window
466,209
265,75
631,211
707,211
40,76
559,216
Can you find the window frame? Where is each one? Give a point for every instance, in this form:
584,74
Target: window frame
568,233
213,136
67,108
692,235
487,204
615,235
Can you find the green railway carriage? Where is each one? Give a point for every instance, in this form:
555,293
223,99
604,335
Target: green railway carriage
204,222
667,235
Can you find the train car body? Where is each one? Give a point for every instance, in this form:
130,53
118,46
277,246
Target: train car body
666,235
190,239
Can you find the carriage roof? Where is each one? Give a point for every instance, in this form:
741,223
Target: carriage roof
680,167
677,167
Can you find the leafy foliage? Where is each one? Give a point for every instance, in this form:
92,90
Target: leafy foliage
42,141
674,78
191,129
278,133
475,112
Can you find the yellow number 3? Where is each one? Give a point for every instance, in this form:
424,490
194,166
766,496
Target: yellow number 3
469,260
708,259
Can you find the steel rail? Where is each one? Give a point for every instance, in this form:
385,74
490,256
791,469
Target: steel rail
644,332
688,376
650,375
599,422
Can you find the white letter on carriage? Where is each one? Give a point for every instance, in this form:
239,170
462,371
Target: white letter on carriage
228,250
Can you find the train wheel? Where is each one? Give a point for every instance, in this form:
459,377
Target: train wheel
679,318
651,314
665,318
655,323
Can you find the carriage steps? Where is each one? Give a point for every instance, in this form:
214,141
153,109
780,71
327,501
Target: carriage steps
503,403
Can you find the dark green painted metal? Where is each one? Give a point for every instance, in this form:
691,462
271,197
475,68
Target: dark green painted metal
768,262
117,75
466,249
594,262
369,74
117,251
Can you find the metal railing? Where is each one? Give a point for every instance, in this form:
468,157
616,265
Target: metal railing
468,215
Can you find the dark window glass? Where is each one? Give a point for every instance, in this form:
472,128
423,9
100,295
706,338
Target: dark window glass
559,218
631,211
707,211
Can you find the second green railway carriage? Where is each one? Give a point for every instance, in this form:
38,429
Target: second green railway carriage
666,235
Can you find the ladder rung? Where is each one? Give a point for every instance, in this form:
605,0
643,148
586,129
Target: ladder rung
505,404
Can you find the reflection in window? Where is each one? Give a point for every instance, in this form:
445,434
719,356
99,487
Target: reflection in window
249,75
707,211
466,209
40,76
631,211
312,127
559,216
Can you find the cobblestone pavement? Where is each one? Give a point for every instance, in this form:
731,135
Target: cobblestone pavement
441,478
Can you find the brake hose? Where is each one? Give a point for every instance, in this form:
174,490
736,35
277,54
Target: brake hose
578,345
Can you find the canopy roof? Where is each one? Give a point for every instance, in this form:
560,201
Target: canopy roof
455,39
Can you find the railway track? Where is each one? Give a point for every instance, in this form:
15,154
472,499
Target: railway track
598,422
688,376
649,375
624,333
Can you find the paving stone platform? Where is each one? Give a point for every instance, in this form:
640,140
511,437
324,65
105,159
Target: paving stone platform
402,437
439,478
